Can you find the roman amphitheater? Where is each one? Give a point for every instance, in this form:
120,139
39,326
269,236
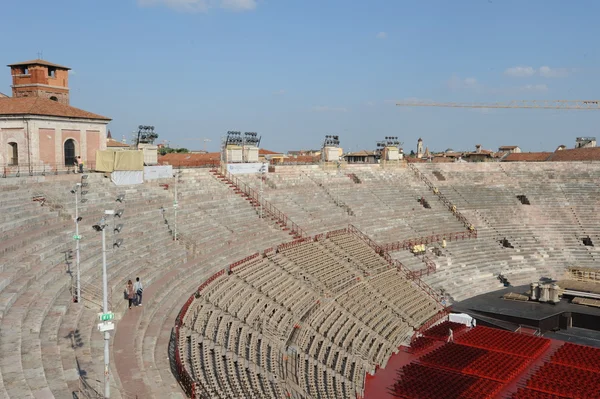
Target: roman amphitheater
310,291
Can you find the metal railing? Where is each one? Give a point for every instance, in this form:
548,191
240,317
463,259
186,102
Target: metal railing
451,207
397,265
410,242
40,169
254,197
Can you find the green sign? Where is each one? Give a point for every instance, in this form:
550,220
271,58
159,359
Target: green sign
107,316
76,237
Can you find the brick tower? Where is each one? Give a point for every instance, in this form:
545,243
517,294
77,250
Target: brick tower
40,78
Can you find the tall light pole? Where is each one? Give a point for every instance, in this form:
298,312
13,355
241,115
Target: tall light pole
176,204
262,177
76,190
106,316
77,239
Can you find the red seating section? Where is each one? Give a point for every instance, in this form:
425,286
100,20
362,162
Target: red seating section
523,393
484,363
441,331
566,381
424,382
480,363
583,357
504,341
420,344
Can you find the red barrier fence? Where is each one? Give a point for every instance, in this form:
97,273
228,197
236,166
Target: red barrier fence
245,260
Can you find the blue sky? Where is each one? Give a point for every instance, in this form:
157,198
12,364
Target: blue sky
296,70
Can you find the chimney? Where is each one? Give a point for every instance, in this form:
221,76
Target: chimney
478,148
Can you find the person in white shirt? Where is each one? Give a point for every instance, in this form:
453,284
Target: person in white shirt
138,289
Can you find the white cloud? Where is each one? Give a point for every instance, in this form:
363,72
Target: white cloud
548,72
381,35
520,71
456,83
539,87
325,108
370,103
202,5
543,71
238,5
279,92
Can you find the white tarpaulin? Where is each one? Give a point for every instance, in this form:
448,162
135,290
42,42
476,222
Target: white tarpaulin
126,177
462,318
246,168
158,172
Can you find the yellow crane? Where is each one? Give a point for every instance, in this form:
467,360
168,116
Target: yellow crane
531,104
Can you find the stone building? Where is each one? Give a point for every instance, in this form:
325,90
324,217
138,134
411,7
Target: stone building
37,124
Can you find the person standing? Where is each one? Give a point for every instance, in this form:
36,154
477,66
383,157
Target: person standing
80,164
139,289
130,292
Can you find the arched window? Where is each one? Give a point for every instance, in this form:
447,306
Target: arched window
13,153
53,98
69,152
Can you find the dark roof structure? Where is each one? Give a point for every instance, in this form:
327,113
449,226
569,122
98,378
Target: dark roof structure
38,61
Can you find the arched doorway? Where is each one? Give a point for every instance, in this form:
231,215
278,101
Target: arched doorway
13,153
69,152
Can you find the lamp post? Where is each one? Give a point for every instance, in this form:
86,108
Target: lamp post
106,316
176,204
262,177
78,190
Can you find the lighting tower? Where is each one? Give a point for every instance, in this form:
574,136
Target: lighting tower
331,148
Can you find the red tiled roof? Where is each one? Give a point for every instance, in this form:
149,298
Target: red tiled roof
45,107
443,159
576,154
112,143
262,151
38,62
211,158
507,147
527,157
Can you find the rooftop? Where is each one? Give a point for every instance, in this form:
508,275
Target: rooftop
527,157
45,107
576,154
38,61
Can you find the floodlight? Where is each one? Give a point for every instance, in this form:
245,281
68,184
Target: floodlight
73,191
98,227
118,228
84,184
120,198
84,192
83,177
79,219
119,213
83,200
